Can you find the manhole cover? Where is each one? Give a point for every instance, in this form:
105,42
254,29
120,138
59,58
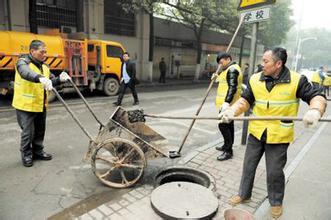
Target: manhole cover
184,200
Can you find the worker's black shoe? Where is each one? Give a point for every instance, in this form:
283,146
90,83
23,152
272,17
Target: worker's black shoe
220,148
116,103
136,103
27,160
225,156
42,155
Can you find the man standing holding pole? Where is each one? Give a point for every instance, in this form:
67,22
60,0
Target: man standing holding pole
33,80
228,91
273,92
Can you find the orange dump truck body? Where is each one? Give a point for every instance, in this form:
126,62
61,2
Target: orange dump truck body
73,56
14,44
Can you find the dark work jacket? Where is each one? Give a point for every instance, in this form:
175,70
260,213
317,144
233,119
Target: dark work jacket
162,66
306,91
130,69
26,73
232,80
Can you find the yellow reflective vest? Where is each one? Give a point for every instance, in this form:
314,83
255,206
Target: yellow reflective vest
223,87
316,78
280,101
29,96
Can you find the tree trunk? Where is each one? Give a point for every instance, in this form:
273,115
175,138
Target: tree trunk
151,46
198,66
151,37
241,49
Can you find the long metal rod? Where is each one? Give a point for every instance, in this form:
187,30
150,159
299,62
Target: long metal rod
86,103
209,88
72,114
241,118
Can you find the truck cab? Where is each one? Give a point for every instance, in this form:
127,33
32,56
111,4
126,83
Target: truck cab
104,59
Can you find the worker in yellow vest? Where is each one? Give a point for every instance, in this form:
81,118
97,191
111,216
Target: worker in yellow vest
273,92
33,80
318,77
228,91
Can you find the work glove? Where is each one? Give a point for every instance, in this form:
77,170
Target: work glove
47,83
214,77
224,106
64,77
311,118
224,116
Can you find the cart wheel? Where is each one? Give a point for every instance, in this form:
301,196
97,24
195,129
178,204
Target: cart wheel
118,162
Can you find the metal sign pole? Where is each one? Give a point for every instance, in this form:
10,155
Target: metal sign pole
251,71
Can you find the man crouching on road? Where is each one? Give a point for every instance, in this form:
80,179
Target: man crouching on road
273,92
32,83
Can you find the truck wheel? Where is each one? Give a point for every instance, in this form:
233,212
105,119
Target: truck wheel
111,86
51,96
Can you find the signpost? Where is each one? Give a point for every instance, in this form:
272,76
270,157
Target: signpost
253,4
254,15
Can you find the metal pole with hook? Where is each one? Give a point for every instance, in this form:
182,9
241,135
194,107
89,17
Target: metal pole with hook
174,154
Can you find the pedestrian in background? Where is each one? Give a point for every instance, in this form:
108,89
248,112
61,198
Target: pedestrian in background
273,92
33,80
163,69
228,91
128,79
259,68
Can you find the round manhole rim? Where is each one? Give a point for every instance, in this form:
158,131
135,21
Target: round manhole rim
184,170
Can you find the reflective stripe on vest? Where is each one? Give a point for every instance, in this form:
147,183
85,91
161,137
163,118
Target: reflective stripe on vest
223,87
29,96
280,101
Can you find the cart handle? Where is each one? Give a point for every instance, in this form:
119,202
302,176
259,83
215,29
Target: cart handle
72,114
86,103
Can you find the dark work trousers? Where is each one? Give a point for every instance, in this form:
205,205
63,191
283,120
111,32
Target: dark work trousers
123,87
227,130
162,77
33,125
275,157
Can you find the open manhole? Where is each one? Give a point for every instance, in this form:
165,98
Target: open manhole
184,174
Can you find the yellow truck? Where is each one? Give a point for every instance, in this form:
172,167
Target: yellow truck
92,64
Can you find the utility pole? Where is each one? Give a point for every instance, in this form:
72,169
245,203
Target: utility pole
251,71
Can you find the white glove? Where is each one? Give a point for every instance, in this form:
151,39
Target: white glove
214,76
311,118
224,106
47,83
64,77
225,116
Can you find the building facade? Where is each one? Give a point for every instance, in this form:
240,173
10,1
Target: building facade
105,19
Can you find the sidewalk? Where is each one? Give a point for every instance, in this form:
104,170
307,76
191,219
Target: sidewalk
308,173
173,82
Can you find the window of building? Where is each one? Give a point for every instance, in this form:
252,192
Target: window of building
117,21
90,47
56,13
113,51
